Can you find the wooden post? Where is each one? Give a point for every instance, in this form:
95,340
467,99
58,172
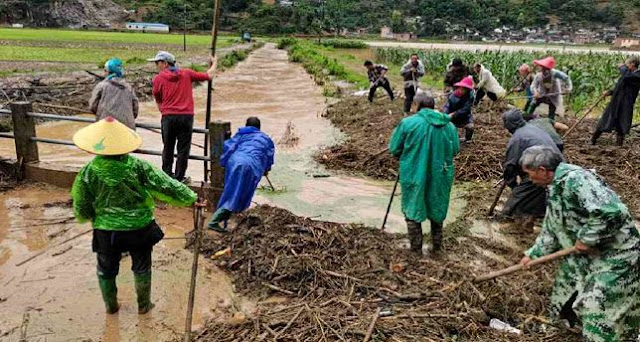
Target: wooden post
218,131
24,128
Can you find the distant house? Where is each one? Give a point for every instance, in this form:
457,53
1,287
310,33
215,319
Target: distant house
405,36
17,25
387,33
148,27
583,38
626,42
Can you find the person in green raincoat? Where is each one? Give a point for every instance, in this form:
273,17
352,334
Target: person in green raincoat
426,144
116,192
599,286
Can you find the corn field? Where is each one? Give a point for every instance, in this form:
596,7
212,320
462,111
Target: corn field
591,73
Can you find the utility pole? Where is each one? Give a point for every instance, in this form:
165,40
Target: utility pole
184,30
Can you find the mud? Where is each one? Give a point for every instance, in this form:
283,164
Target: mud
55,297
478,162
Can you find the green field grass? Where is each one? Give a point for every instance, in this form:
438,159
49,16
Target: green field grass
76,36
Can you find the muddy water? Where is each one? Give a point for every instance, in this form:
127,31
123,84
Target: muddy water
266,85
56,297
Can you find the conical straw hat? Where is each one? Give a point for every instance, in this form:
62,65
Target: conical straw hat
107,137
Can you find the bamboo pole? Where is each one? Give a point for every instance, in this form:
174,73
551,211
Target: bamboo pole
198,221
584,116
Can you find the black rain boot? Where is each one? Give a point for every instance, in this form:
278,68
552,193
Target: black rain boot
109,292
414,231
619,140
143,292
595,137
468,135
436,236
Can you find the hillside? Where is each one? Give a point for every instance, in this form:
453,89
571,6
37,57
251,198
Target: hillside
62,13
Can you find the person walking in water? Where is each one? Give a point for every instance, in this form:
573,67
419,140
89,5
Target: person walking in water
246,158
115,192
172,89
114,96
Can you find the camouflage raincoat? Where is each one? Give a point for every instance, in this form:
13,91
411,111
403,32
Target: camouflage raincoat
581,207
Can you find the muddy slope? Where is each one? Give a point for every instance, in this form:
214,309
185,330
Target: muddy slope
336,277
369,128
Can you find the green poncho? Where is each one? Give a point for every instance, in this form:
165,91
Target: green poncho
118,193
426,144
581,207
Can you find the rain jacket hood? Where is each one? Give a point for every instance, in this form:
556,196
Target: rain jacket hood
513,120
117,193
426,144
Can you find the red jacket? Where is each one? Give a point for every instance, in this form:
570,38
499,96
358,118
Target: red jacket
172,90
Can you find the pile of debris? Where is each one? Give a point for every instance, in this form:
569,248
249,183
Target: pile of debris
64,95
369,128
8,179
349,283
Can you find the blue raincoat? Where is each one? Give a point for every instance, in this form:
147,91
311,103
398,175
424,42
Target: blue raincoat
246,158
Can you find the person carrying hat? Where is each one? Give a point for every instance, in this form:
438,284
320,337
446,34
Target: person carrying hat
115,192
459,106
526,79
173,93
547,87
246,158
114,96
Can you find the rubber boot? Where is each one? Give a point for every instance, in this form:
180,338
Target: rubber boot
595,137
414,231
619,140
217,217
436,236
143,292
109,292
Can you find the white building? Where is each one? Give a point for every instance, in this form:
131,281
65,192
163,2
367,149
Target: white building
148,27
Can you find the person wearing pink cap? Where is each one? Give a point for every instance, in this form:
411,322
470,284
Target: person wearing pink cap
459,106
547,87
526,79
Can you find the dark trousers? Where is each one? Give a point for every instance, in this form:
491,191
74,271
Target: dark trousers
409,94
480,94
176,128
109,262
385,85
546,100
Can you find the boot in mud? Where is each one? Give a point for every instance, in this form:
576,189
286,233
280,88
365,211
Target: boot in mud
109,292
143,292
414,231
436,236
619,140
595,137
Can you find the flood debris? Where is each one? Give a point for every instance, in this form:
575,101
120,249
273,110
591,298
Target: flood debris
369,127
290,138
347,282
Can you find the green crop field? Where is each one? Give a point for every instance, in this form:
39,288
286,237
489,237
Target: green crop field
76,36
51,45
